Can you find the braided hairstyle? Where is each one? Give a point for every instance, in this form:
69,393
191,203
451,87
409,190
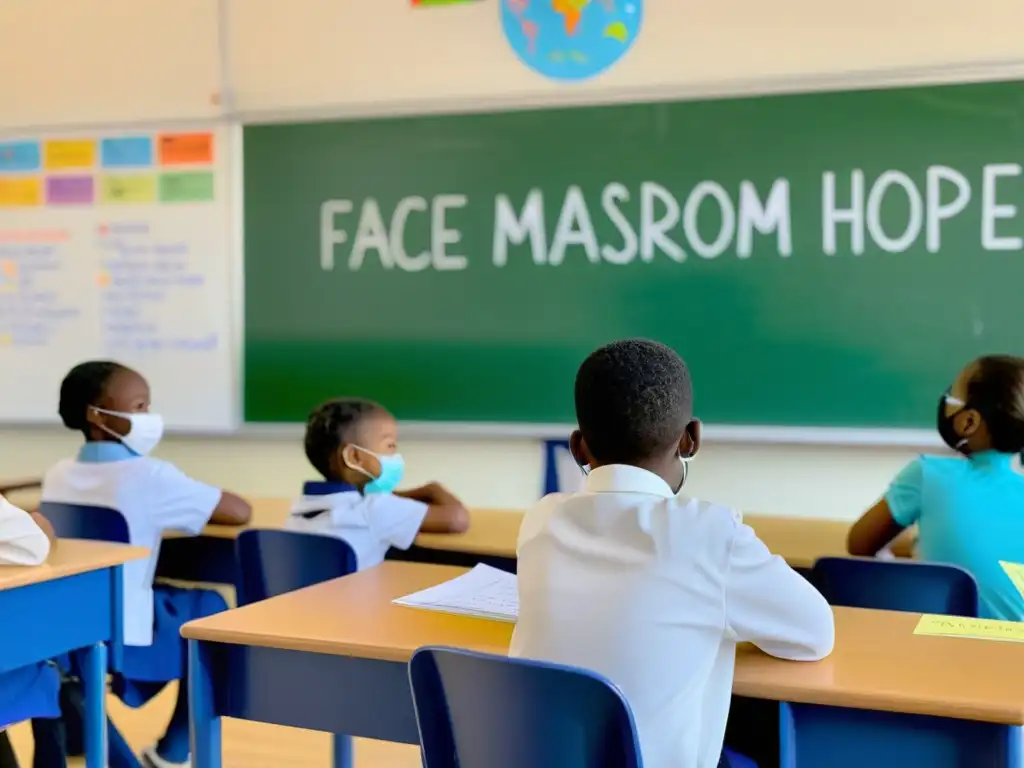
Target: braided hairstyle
333,424
996,391
83,387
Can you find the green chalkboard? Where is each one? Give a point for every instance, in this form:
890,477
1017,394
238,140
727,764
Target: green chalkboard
825,259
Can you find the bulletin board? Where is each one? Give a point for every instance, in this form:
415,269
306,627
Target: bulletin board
116,245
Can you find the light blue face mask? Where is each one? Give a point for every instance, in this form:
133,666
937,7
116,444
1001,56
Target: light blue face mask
392,467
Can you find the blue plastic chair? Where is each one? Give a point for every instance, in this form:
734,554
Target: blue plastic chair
896,585
552,450
272,562
818,735
82,521
480,711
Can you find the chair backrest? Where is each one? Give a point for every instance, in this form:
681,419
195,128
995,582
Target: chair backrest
82,521
272,562
480,711
896,585
561,472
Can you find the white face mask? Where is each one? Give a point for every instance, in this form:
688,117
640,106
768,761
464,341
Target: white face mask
144,434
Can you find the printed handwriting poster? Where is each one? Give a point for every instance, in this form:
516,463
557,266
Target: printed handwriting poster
115,246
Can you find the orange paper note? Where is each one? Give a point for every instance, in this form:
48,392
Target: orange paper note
185,148
18,192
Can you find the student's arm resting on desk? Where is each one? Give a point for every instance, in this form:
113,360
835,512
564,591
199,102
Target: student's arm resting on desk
769,604
45,525
183,504
899,509
22,540
231,510
445,513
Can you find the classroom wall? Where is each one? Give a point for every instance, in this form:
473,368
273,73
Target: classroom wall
332,57
808,481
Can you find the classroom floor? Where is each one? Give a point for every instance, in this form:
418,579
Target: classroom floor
246,745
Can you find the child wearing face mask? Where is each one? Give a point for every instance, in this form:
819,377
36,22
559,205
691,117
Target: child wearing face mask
353,445
969,509
109,404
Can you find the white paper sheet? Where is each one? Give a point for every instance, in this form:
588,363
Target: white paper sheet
484,592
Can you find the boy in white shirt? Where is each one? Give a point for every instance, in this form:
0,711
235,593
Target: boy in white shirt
648,587
353,444
109,404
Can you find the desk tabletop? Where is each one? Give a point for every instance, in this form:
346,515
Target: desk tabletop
799,540
20,484
354,616
69,557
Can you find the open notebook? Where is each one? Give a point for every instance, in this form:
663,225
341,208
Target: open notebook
485,592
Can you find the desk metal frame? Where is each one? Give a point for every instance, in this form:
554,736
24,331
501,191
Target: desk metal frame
78,614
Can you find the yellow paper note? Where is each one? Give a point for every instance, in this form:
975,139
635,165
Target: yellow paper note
21,191
128,188
1016,573
69,153
979,629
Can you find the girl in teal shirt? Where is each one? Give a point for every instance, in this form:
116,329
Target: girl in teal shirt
969,509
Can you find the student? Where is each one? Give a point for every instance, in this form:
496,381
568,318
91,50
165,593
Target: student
33,691
109,404
353,444
646,586
24,536
969,509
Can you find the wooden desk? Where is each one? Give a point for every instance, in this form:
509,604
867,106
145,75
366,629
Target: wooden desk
346,635
491,539
20,484
493,532
70,605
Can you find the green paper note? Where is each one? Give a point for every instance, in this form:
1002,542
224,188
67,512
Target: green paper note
186,187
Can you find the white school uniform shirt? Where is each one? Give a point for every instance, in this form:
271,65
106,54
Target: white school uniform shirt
371,523
152,495
653,591
22,542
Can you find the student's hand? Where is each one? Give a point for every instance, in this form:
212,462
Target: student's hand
46,525
431,493
445,513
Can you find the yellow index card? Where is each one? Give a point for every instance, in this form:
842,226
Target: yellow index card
1016,573
978,629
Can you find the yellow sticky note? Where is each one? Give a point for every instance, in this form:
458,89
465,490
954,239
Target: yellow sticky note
1016,573
128,188
979,629
59,154
21,191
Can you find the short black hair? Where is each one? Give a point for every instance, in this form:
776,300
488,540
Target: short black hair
84,386
634,400
331,425
996,391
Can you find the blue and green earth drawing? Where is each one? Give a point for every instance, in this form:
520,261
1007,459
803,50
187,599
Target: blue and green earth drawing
571,39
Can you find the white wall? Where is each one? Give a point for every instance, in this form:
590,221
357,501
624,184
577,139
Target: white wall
809,481
346,56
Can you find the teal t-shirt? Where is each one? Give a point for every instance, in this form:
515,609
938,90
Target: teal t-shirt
970,513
